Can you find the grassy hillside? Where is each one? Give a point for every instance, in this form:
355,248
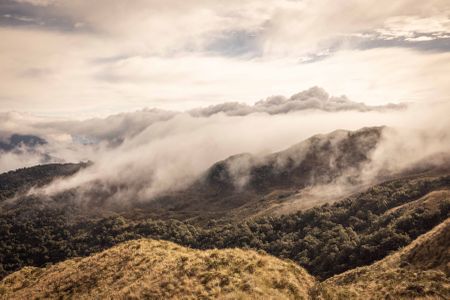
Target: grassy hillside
162,270
420,270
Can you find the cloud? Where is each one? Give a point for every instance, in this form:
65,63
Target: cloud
115,129
37,2
169,155
85,59
148,153
313,98
422,140
94,59
154,150
309,25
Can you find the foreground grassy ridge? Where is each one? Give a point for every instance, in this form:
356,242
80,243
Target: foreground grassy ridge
153,269
420,270
159,270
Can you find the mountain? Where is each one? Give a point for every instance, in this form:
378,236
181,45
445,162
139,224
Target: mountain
16,141
242,185
244,181
326,240
157,269
23,149
321,169
162,270
420,270
13,183
327,235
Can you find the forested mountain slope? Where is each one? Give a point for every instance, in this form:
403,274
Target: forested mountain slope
14,182
326,240
247,183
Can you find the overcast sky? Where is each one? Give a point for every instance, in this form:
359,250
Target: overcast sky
89,58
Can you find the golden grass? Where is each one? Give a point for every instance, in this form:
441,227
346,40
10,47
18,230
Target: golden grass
150,269
419,271
162,270
430,202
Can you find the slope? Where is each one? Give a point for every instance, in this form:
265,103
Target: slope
419,270
161,270
326,240
249,183
21,180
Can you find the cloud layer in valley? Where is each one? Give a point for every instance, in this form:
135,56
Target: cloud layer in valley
151,152
78,73
72,140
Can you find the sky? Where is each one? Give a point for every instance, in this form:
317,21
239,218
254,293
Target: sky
155,92
83,59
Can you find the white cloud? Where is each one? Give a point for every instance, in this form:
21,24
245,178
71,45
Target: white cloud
313,98
408,27
169,155
129,55
37,2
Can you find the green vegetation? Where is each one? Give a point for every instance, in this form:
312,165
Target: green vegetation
326,240
163,270
419,271
20,180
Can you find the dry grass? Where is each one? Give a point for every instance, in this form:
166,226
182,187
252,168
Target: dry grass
430,202
149,269
161,270
419,271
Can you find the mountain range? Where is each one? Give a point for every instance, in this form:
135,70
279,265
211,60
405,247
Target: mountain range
346,235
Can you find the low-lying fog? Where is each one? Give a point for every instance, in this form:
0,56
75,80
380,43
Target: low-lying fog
152,151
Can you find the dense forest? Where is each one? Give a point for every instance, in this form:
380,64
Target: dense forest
20,180
326,240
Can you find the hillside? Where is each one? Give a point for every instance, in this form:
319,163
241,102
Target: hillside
241,186
326,240
13,183
162,270
245,183
419,270
322,169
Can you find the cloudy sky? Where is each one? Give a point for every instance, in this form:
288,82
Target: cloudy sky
83,58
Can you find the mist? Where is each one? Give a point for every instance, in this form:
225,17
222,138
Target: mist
148,153
169,155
